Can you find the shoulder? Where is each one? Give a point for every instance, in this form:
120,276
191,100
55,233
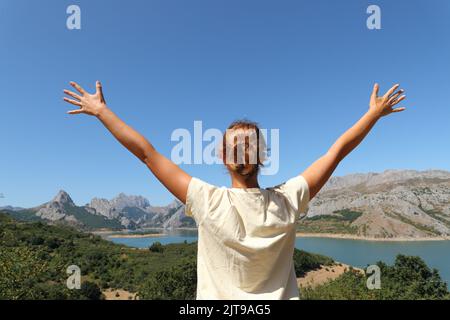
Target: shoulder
197,184
296,191
200,195
295,183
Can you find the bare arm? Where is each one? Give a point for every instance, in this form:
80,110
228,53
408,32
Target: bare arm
171,176
320,171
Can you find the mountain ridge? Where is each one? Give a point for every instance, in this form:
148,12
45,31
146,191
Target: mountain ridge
389,204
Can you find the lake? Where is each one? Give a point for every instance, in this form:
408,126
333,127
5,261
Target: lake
357,253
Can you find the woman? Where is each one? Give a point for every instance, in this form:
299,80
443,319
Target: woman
246,234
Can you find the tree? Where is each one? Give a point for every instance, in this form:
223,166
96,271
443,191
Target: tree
305,261
177,283
20,269
156,247
90,291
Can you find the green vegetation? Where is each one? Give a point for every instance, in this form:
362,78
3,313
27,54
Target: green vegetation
91,221
339,215
34,258
348,215
156,247
435,214
424,228
408,279
304,262
91,291
339,222
133,212
88,221
179,282
24,215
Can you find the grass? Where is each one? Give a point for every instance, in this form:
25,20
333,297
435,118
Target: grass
339,222
436,215
91,221
416,225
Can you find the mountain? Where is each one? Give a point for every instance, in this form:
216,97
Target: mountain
394,203
123,211
11,208
136,211
62,210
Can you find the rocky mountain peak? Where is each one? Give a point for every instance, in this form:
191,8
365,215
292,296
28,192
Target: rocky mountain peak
123,200
63,198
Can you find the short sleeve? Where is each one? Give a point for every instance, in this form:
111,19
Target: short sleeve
198,198
296,190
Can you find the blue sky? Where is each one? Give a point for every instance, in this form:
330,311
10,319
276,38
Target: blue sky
305,67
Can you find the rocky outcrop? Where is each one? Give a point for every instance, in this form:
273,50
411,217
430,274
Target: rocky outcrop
395,203
56,209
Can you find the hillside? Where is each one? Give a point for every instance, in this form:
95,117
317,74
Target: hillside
407,204
34,257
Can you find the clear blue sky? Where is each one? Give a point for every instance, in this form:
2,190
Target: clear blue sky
305,67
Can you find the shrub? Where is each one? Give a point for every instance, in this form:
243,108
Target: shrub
90,291
156,247
177,283
305,262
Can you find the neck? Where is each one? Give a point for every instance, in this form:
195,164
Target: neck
238,181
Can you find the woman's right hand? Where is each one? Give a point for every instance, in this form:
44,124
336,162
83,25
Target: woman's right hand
91,104
382,106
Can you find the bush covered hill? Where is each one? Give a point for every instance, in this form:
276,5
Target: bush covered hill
408,279
34,258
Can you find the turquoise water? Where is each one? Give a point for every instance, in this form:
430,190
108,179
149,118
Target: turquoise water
175,236
357,253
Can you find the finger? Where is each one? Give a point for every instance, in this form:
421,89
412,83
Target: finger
72,94
78,87
398,110
395,101
391,91
397,93
75,111
74,102
375,90
98,85
100,91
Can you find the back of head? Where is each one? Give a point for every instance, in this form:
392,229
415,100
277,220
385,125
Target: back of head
243,148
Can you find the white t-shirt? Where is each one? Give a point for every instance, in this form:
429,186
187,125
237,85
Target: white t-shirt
246,239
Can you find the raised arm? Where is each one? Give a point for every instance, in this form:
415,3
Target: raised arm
171,176
320,171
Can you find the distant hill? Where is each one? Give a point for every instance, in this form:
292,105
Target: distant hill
62,210
121,212
394,203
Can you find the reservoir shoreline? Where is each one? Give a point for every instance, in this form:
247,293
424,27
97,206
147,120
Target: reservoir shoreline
363,238
161,232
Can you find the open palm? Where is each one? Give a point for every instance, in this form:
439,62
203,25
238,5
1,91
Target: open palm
91,104
383,106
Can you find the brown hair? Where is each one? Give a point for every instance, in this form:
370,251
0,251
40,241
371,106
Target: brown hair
244,150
